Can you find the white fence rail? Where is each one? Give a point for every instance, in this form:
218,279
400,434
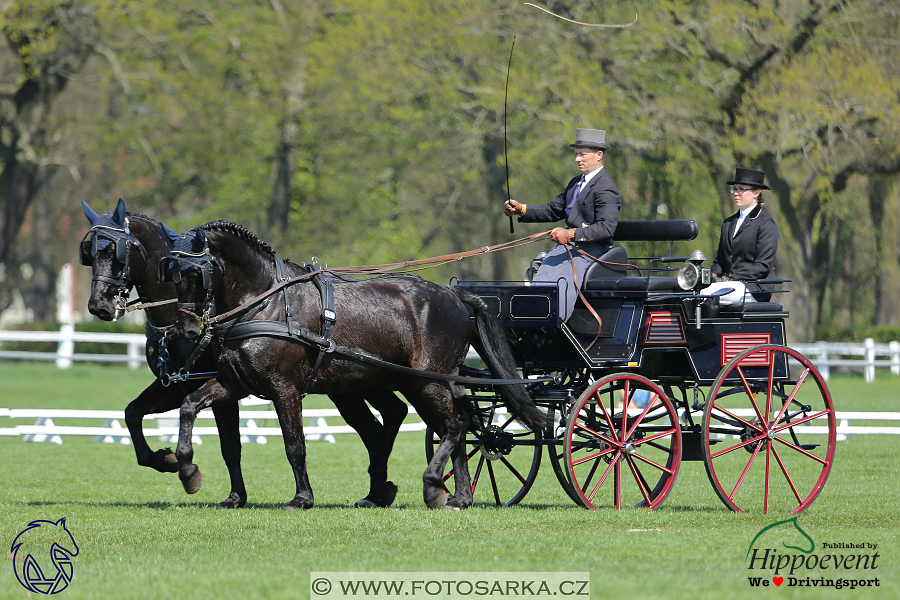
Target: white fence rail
113,432
253,425
824,355
65,339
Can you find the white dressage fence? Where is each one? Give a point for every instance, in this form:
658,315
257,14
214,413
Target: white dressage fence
65,339
825,355
255,425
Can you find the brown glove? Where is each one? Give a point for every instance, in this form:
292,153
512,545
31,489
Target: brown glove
513,207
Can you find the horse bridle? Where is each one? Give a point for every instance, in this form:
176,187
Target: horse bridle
121,238
170,270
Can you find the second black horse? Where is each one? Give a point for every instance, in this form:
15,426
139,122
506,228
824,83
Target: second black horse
280,347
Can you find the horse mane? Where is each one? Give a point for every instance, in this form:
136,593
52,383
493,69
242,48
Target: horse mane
239,231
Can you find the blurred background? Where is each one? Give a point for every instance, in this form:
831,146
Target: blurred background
378,131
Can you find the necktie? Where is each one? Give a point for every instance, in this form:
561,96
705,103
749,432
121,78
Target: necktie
575,193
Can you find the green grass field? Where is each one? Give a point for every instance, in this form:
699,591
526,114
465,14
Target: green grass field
140,536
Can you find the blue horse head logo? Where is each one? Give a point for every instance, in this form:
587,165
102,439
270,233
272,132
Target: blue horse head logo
30,552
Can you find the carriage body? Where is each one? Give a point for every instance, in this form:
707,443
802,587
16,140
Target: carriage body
725,388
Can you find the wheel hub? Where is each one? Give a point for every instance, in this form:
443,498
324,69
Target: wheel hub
496,443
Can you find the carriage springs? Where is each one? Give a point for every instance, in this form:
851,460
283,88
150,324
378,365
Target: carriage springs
793,564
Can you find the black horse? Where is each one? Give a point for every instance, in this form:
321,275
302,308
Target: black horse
283,346
124,250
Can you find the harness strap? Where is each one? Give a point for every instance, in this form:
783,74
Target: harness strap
277,329
329,316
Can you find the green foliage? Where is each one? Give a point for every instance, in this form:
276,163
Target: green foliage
881,335
364,132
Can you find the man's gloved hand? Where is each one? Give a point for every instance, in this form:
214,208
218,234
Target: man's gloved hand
562,236
514,207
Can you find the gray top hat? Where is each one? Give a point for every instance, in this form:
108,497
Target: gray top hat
590,138
750,177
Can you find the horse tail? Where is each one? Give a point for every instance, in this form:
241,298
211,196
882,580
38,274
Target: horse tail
492,345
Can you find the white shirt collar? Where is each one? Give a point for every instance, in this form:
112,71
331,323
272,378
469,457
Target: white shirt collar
745,212
589,176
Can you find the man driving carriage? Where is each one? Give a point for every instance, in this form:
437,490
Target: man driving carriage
590,206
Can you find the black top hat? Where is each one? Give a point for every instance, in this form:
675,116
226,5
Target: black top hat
590,138
750,177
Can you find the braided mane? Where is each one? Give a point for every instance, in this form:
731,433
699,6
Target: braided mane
239,231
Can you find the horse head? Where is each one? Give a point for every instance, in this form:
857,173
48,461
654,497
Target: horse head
220,264
190,267
119,247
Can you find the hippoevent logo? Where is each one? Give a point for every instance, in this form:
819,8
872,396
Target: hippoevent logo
784,554
42,556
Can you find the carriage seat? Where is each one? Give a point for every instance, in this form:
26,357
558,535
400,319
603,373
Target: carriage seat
612,277
754,307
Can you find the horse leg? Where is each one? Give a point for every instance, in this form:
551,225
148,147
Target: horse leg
153,400
378,439
436,405
289,406
228,422
210,392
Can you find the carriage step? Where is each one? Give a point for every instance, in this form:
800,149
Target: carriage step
809,446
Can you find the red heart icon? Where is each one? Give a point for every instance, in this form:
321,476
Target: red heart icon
778,580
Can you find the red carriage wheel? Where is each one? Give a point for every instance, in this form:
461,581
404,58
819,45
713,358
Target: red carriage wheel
556,452
504,457
768,431
631,461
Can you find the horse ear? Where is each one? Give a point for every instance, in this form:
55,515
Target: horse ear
173,237
199,240
89,213
119,213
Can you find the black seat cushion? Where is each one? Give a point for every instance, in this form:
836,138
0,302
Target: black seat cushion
635,284
753,307
599,271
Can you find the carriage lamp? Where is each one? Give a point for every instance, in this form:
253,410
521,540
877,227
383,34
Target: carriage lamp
692,272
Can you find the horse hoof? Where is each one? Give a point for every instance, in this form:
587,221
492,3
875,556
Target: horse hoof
451,508
232,501
294,505
165,461
381,499
193,481
439,500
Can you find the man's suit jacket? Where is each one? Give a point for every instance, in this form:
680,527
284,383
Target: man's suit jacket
594,215
749,254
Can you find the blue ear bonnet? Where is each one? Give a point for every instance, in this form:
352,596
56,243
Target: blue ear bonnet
189,250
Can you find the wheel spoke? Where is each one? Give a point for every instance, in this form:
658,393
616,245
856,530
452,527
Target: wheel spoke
512,469
731,415
750,395
736,446
744,472
801,450
652,463
786,475
477,474
490,467
639,479
592,456
597,434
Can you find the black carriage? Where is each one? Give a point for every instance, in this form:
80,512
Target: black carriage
647,373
